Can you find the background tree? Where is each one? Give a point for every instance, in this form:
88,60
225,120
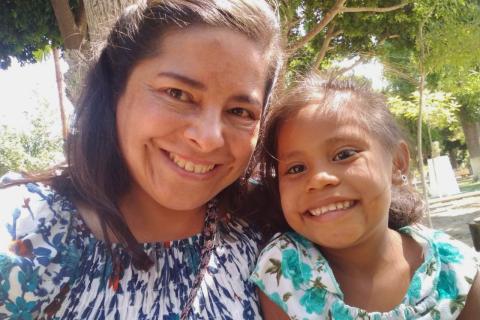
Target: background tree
450,63
78,26
34,147
318,32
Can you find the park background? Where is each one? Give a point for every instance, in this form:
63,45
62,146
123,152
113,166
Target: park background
424,55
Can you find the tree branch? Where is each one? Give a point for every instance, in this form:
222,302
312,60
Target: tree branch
336,9
72,36
331,34
375,9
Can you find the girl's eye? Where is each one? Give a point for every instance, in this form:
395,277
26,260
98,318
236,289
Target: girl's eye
344,154
296,169
242,113
179,94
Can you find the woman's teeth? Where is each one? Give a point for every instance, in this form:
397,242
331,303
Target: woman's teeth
190,166
331,207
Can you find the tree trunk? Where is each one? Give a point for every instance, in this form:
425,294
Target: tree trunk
99,16
419,124
471,130
59,78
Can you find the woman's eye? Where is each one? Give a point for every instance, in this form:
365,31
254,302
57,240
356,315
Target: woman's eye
299,168
242,113
178,94
344,154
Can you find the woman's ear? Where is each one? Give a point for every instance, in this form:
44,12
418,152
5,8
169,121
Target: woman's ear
401,160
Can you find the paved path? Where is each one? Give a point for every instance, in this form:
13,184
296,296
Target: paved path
452,214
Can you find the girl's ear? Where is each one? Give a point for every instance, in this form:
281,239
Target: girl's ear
401,160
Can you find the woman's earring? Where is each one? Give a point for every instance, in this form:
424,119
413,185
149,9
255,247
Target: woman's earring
404,180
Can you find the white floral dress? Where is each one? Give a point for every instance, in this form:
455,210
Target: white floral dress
52,267
292,272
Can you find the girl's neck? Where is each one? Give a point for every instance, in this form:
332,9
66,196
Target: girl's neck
151,222
375,275
368,256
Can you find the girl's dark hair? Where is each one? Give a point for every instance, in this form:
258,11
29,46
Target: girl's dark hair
96,173
363,106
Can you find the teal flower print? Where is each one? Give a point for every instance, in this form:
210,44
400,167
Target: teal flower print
313,300
293,269
340,312
28,279
21,309
298,238
259,283
447,286
415,288
448,253
275,297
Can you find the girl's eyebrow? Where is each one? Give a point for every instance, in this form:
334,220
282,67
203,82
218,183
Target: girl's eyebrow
345,138
286,156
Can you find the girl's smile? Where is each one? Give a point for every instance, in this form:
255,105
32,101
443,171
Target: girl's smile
334,178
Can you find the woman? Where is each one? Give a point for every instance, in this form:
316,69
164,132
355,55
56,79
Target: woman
137,226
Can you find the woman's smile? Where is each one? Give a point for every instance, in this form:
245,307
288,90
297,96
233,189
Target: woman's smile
190,166
186,131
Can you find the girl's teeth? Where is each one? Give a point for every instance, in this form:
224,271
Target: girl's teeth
190,166
331,207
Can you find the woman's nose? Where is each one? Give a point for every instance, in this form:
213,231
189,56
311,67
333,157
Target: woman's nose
205,133
322,179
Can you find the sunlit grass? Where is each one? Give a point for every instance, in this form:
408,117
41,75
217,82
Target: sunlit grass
469,186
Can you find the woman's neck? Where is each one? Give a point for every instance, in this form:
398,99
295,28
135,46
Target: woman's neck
151,222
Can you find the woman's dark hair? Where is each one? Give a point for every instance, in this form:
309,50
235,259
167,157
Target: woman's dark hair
363,106
96,173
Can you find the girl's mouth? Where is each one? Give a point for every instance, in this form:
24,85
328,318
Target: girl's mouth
336,206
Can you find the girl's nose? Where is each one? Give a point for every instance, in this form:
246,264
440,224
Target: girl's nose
322,179
206,132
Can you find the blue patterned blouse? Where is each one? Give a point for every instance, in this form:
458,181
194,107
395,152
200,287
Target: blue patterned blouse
293,273
52,267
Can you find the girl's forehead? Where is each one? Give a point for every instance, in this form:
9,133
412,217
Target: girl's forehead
322,122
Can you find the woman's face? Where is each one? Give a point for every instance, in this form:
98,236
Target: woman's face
188,119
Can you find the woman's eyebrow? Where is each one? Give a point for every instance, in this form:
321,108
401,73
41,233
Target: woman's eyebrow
244,98
189,81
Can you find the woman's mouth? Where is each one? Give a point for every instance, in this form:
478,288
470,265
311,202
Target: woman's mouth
190,166
336,206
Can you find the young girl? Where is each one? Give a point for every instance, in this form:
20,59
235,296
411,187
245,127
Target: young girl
335,160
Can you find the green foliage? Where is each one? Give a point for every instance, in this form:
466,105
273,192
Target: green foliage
362,33
465,86
34,148
439,110
27,29
439,118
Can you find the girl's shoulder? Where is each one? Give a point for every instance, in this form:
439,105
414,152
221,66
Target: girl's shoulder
36,229
450,266
292,272
449,251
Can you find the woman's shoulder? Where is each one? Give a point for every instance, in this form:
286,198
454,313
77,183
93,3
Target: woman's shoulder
35,222
32,207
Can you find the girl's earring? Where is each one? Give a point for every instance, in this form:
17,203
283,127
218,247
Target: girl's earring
404,180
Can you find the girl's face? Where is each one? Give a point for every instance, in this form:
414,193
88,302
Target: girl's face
188,119
334,178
